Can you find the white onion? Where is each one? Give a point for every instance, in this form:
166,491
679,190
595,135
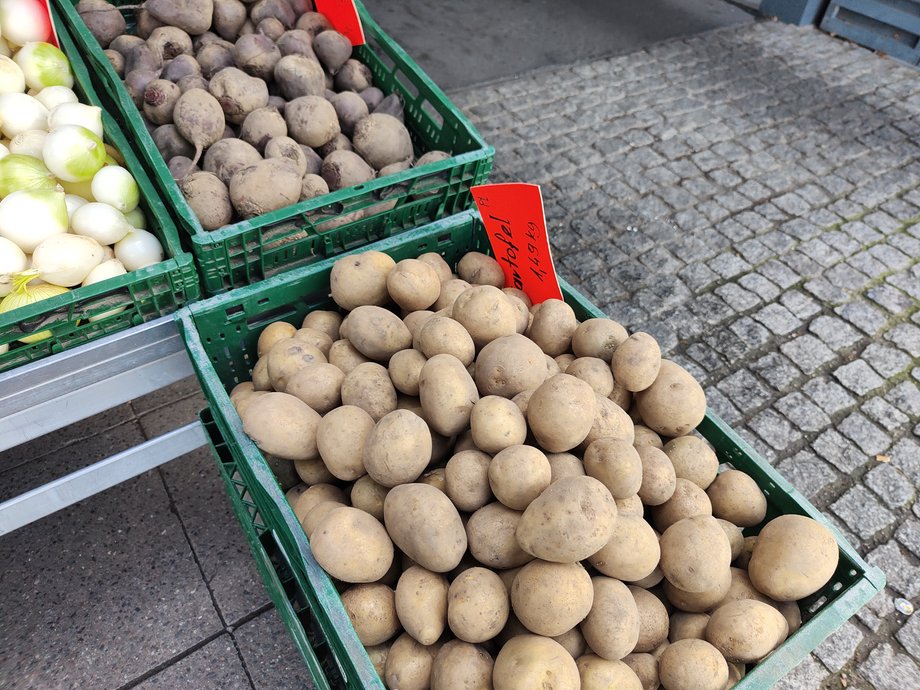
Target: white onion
53,96
44,65
12,260
73,203
139,248
66,259
24,21
109,268
115,186
4,151
5,49
136,218
19,113
18,171
89,116
109,252
12,79
28,217
73,153
29,143
105,224
80,189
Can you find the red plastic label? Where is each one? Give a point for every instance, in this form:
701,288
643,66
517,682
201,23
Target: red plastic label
514,219
53,39
343,15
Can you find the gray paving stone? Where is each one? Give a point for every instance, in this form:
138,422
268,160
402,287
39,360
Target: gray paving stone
907,337
863,513
776,370
903,575
878,611
895,490
737,297
909,636
800,304
722,406
909,535
839,648
885,359
858,377
906,397
216,665
807,675
870,439
834,332
759,285
270,656
807,352
884,414
778,319
744,390
889,298
866,317
802,412
888,669
807,473
774,429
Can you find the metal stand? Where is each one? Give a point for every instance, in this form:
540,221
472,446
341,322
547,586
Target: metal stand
52,393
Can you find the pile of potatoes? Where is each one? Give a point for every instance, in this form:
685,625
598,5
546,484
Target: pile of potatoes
510,499
254,106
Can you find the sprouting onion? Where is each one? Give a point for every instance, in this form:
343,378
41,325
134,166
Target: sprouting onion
44,65
73,153
24,294
12,260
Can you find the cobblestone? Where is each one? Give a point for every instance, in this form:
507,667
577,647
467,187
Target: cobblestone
807,473
885,359
807,352
834,332
909,535
858,377
885,414
864,316
778,319
895,490
862,513
903,576
907,337
887,669
865,434
909,636
837,649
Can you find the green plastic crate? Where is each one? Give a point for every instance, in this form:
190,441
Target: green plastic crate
143,295
248,251
221,334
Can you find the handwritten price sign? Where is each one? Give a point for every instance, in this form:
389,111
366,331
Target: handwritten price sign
514,219
343,15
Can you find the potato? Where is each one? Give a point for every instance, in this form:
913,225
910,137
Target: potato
521,311
404,368
741,588
425,525
486,313
526,662
368,386
598,338
509,365
573,641
600,674
244,400
271,334
477,268
377,333
687,626
735,536
611,629
413,284
632,552
408,665
631,505
622,397
593,371
610,421
692,664
491,535
398,448
372,610
736,497
352,546
746,630
462,666
467,480
448,394
361,279
616,464
636,362
554,324
378,656
312,496
282,425
288,356
645,666
697,602
319,385
658,479
687,500
316,514
442,335
344,355
560,412
497,423
318,339
653,620
477,605
327,322
450,291
564,465
421,604
436,478
693,459
437,262
646,437
313,471
695,553
793,557
674,404
518,474
368,495
571,520
551,598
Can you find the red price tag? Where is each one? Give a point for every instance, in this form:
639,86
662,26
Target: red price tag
52,38
343,15
514,219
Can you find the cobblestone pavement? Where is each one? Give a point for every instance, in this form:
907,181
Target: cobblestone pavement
751,197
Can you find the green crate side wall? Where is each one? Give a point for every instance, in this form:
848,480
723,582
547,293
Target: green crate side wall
249,250
228,328
144,294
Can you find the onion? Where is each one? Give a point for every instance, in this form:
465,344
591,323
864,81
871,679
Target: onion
4,151
24,21
53,96
28,217
12,260
19,113
44,65
19,172
89,116
80,189
104,223
66,259
109,268
139,248
29,143
12,79
24,294
115,186
137,219
73,203
5,49
73,153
